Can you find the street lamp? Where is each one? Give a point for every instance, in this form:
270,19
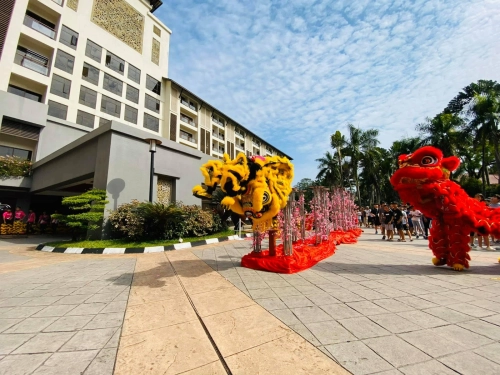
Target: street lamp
152,149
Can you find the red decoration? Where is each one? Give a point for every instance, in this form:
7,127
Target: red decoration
423,180
305,253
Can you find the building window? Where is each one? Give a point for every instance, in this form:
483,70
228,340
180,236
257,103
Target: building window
151,123
218,120
68,37
157,30
88,97
17,152
93,51
58,110
110,106
103,121
64,61
152,104
131,114
187,136
85,119
40,24
134,74
153,85
24,93
187,119
189,103
60,86
113,62
239,133
113,84
132,94
32,60
90,74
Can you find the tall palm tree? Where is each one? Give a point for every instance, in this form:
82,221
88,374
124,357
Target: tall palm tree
337,142
443,131
329,170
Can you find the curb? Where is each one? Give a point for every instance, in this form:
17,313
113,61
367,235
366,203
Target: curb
137,250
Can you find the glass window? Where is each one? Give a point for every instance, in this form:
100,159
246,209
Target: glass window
18,152
152,104
64,61
134,74
110,106
88,97
60,86
132,94
24,93
131,114
189,103
93,51
85,119
90,74
115,63
153,85
103,121
58,110
151,123
68,37
113,84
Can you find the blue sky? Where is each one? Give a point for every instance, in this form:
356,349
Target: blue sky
295,71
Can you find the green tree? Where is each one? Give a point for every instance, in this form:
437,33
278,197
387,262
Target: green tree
88,212
443,131
337,142
306,185
329,172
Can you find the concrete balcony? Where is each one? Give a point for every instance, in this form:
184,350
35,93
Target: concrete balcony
16,182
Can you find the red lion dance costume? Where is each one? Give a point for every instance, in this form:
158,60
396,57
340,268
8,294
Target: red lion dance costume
423,180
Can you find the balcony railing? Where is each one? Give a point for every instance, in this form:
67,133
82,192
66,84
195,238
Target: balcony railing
39,26
217,149
188,138
240,147
33,61
220,136
187,120
220,123
60,2
239,134
188,104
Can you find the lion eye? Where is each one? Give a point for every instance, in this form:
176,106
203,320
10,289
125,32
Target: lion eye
265,197
428,160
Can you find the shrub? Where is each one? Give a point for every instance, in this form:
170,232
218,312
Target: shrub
197,221
161,221
126,222
12,166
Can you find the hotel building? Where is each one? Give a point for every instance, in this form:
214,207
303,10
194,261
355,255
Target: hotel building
83,83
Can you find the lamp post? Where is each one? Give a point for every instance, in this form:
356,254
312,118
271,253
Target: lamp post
152,149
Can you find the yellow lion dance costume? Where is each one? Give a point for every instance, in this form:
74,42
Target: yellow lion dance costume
257,188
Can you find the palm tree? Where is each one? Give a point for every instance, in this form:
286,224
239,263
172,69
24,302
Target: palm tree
329,171
337,142
442,131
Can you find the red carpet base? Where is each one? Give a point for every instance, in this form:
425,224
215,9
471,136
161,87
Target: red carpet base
305,254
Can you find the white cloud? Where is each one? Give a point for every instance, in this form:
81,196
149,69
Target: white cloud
294,73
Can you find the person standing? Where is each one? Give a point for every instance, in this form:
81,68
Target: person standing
374,214
43,221
389,220
381,216
495,203
8,216
31,221
416,218
404,220
54,222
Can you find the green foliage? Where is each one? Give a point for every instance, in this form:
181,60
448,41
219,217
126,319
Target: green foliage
12,166
88,211
126,221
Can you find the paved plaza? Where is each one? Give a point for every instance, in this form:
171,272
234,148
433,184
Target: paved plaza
373,308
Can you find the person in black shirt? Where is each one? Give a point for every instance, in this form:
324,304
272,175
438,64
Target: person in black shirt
374,212
398,221
388,223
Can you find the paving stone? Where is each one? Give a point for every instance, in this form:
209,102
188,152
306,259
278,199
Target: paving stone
306,333
271,303
345,295
464,337
262,293
59,292
487,304
427,368
422,319
308,289
12,302
31,325
104,297
106,321
310,314
363,327
396,351
394,323
21,364
89,339
495,319
469,363
490,352
45,343
296,301
366,308
286,291
416,302
391,292
10,342
358,358
439,299
103,363
69,323
449,315
69,363
286,316
330,332
392,305
42,301
21,311
114,307
321,299
73,299
88,290
55,310
369,294
340,311
483,328
475,311
390,372
437,346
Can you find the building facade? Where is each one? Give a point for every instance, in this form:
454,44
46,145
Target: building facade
83,83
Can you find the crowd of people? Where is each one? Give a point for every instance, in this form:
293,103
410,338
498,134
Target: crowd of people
31,221
409,223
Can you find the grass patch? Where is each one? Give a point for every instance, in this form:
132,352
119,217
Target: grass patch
92,244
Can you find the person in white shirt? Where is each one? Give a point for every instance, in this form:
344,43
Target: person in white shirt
416,218
404,221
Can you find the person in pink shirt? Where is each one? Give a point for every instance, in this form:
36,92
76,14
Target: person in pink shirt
19,215
43,220
31,221
8,216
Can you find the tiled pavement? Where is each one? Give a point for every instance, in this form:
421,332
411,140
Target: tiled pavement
382,308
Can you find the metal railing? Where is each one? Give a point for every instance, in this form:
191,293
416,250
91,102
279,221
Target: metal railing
240,147
219,150
32,61
239,134
220,136
188,104
220,123
188,138
187,120
39,26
